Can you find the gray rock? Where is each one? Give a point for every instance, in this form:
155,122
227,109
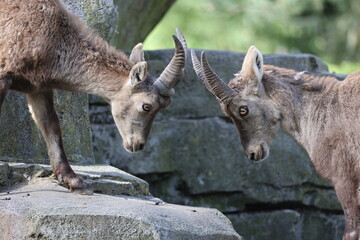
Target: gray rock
226,202
4,173
284,225
289,224
155,158
102,178
110,180
42,209
23,172
100,15
317,225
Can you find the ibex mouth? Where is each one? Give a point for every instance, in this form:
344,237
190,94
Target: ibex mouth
134,147
259,155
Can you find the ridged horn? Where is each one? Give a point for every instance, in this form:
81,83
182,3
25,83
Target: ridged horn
174,71
183,41
199,72
218,87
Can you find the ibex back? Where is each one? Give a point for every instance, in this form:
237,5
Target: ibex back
44,47
321,113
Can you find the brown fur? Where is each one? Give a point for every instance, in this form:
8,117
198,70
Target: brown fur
44,47
322,114
319,112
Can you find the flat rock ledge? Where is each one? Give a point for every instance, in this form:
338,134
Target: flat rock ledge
102,178
39,208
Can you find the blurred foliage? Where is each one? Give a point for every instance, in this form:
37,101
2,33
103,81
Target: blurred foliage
329,29
344,67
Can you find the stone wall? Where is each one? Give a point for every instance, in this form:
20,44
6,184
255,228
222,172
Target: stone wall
194,157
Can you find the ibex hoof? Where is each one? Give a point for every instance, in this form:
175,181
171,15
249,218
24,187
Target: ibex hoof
82,191
78,186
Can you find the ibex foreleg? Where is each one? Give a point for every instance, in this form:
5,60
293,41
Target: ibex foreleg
346,191
43,112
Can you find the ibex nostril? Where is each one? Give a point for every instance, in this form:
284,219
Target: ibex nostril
252,156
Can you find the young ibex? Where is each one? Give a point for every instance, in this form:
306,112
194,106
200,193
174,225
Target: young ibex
44,47
321,113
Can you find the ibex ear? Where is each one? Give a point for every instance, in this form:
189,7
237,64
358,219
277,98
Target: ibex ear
138,73
253,64
137,54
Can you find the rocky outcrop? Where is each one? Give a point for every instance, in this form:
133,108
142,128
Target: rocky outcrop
194,157
42,209
102,178
288,224
99,15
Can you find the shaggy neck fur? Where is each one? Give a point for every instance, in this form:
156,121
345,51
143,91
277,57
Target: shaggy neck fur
47,47
305,101
98,70
93,66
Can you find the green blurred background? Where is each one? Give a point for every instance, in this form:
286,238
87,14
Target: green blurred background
329,29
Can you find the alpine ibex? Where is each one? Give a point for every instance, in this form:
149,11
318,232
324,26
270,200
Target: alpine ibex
321,113
44,47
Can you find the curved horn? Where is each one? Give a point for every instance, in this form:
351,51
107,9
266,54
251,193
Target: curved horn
199,71
183,41
174,71
218,87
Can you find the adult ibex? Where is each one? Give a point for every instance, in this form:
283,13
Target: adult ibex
44,47
321,113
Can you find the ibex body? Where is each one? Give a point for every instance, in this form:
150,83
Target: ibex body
321,113
44,47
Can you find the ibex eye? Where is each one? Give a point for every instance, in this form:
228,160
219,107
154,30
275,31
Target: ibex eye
146,107
243,111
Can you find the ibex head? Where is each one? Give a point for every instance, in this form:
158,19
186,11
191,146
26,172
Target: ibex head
245,101
135,106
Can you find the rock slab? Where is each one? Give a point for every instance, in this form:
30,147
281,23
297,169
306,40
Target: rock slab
44,210
103,179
